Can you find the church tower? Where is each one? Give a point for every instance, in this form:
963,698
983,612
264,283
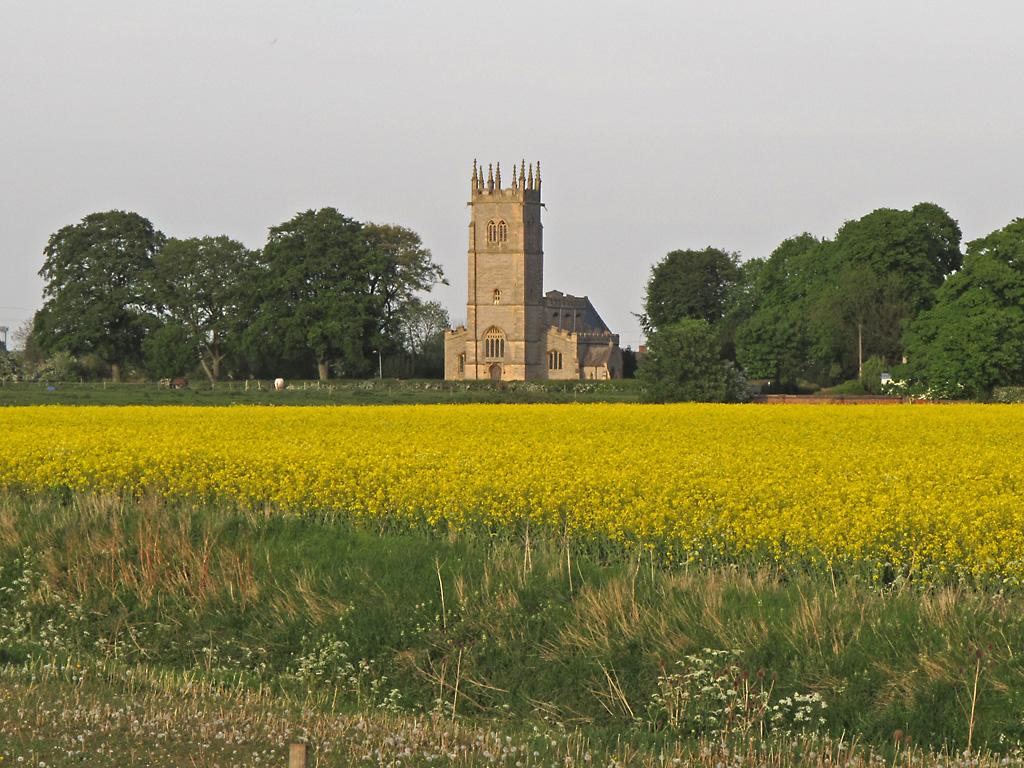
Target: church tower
513,330
505,318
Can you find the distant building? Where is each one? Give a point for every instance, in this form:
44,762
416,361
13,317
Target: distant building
513,330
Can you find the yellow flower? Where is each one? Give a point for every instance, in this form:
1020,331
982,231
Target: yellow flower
930,491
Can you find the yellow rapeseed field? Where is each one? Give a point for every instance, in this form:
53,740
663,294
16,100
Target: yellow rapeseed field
927,490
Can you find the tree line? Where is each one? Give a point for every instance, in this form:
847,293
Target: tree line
894,290
891,291
326,295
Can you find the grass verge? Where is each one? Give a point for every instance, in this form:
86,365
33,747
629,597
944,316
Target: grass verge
107,603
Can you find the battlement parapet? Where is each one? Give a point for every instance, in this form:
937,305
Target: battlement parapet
525,182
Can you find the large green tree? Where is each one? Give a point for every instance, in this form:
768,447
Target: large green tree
95,287
772,345
400,268
882,270
199,284
741,304
690,284
329,290
917,248
314,297
973,338
772,341
859,312
822,307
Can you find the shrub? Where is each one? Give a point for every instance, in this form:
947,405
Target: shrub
851,387
711,694
1008,394
8,367
871,375
683,363
61,366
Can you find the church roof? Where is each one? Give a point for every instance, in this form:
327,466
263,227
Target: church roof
573,313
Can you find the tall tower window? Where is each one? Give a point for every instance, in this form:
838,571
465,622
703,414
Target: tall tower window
462,362
494,344
497,231
497,296
554,361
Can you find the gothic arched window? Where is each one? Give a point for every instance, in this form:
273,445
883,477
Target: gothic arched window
494,344
554,361
496,298
497,231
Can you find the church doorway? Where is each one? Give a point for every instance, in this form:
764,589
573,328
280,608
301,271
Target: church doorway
495,372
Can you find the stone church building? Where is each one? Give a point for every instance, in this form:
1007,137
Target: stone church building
514,330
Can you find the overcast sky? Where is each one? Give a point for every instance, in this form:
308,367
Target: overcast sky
659,125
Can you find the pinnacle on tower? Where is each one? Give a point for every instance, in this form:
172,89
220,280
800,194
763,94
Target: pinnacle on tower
474,180
538,176
515,184
490,177
497,177
529,183
522,173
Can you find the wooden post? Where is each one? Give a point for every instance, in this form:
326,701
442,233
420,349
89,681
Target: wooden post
298,755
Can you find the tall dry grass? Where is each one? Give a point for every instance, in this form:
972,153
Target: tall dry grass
479,626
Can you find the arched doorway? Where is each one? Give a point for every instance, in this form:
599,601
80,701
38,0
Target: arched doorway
495,372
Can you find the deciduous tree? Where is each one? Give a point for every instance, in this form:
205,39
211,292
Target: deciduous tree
95,287
772,345
773,341
883,269
822,307
421,327
690,284
315,297
400,268
169,351
973,338
198,284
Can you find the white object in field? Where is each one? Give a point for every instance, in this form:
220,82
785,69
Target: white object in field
279,385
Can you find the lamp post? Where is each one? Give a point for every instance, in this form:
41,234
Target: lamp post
380,365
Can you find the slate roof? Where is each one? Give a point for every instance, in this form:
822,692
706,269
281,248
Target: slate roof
568,307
